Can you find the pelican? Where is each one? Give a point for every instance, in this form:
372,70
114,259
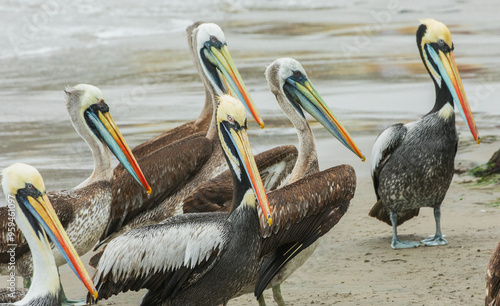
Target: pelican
493,279
181,159
83,210
412,164
179,259
211,57
29,206
294,93
184,263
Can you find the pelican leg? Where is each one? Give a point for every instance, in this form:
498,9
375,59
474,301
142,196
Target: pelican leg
262,300
438,239
396,244
278,298
66,302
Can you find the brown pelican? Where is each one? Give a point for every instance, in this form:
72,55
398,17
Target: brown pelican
216,68
493,279
188,260
180,164
294,93
412,164
83,210
176,260
29,206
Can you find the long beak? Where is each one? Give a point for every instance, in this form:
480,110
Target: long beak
242,145
454,83
43,211
116,143
229,74
309,99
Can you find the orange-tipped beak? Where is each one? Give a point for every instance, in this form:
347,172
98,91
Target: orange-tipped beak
454,83
233,81
242,144
129,162
55,230
309,99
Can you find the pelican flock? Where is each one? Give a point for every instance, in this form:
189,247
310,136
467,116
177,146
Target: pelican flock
83,210
193,217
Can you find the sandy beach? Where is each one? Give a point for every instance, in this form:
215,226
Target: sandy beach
366,68
355,265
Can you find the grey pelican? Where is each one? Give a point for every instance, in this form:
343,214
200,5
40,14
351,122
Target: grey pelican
493,279
294,93
29,206
412,164
182,265
181,159
178,259
83,210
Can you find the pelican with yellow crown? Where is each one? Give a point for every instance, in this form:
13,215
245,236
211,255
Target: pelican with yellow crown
412,164
83,210
199,258
25,191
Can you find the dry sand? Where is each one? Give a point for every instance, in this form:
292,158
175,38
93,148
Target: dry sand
355,265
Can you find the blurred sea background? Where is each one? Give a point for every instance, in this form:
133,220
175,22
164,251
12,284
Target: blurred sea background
361,56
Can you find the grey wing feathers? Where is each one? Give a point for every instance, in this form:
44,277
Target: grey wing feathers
387,142
161,257
383,147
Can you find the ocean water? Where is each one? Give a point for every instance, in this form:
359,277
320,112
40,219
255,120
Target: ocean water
361,56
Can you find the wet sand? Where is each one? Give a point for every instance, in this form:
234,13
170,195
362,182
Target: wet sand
355,265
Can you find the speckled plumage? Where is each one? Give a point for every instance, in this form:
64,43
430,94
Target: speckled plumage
416,172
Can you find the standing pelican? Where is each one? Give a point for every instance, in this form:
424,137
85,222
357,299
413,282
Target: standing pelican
30,207
294,93
412,164
83,210
179,259
493,279
178,161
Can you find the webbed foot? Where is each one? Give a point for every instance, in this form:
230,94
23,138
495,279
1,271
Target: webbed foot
398,244
435,240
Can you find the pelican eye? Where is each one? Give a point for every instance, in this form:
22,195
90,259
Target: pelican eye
441,42
213,38
230,119
102,106
297,73
30,186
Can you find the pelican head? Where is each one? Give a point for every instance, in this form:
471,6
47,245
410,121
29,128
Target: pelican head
232,126
218,65
436,50
287,77
37,219
86,105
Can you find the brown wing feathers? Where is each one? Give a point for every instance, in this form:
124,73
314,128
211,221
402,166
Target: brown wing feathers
303,212
182,160
216,194
493,279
